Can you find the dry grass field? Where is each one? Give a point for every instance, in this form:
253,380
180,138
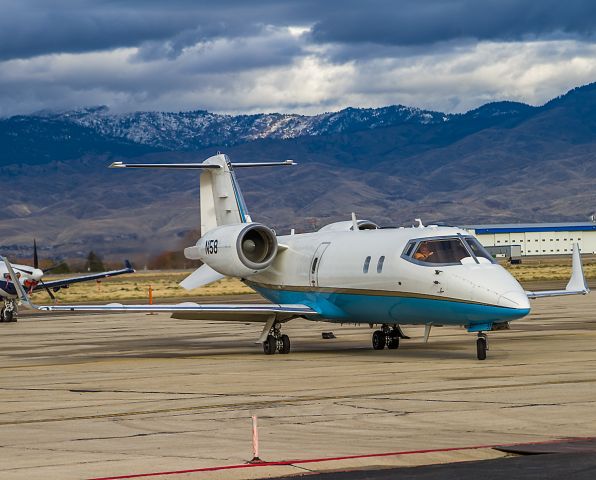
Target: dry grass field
550,268
165,283
136,287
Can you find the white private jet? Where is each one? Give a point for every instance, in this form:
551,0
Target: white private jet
31,280
347,272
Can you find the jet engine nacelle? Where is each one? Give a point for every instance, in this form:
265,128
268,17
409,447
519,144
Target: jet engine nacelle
236,250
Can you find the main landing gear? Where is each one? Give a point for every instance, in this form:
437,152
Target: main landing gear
481,346
8,313
276,342
387,337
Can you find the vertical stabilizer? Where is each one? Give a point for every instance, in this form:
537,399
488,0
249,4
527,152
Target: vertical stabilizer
221,199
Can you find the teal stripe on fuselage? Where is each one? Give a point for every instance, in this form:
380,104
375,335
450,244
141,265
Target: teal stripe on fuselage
366,308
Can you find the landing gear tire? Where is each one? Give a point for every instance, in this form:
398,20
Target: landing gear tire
378,340
393,343
285,344
270,345
7,316
481,347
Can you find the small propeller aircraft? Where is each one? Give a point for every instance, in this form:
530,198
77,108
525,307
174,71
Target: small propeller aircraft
347,272
31,280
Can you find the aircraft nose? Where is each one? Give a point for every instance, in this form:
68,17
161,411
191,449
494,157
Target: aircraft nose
36,274
515,299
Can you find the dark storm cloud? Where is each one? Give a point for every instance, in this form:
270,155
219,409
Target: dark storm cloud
406,23
241,56
35,27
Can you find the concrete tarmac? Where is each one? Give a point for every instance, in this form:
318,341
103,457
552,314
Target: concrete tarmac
87,396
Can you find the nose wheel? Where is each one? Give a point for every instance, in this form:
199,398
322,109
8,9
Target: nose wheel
481,346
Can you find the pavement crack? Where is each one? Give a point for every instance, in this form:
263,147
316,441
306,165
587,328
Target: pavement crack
148,434
303,468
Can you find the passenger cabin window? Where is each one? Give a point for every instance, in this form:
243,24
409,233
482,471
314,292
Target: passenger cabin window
366,265
449,250
380,264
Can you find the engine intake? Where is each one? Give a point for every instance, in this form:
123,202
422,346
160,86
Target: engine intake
237,250
257,246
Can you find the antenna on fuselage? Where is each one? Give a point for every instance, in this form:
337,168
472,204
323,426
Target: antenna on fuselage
354,222
420,225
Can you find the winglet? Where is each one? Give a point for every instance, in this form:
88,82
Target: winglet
22,294
577,282
128,266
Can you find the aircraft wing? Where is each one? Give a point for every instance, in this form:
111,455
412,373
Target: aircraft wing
266,313
577,283
195,311
57,284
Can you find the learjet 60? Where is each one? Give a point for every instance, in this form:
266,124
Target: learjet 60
347,272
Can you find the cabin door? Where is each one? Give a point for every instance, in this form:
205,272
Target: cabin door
313,273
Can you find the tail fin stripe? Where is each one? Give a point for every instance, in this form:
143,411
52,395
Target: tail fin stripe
239,198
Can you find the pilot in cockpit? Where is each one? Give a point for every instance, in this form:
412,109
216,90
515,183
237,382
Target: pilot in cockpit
423,253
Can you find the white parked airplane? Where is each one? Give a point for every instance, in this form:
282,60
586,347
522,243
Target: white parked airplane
31,279
347,272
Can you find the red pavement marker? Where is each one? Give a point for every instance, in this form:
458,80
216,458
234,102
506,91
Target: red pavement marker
334,459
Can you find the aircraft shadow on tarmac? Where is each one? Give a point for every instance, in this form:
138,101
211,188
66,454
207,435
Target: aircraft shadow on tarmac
576,466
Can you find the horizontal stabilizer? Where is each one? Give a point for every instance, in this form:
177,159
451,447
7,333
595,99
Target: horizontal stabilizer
577,284
192,166
286,163
163,165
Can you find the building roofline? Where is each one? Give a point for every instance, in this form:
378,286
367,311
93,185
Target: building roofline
532,227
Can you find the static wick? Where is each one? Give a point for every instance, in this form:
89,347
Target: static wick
255,441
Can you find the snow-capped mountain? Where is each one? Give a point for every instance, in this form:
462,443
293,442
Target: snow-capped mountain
198,129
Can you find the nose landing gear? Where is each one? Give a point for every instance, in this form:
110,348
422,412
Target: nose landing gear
481,346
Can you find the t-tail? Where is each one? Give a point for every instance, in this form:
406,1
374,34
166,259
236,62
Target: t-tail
222,202
231,244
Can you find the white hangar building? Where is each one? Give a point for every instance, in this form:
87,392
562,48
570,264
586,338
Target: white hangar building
538,238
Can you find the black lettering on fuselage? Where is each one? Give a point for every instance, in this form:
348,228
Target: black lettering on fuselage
211,247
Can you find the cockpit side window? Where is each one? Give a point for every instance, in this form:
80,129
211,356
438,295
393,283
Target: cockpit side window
440,251
478,249
409,249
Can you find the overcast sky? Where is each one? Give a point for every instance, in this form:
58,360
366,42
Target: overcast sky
306,56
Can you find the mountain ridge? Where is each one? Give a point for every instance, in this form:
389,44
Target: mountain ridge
502,162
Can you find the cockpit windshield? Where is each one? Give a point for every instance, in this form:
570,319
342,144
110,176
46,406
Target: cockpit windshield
447,251
478,250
